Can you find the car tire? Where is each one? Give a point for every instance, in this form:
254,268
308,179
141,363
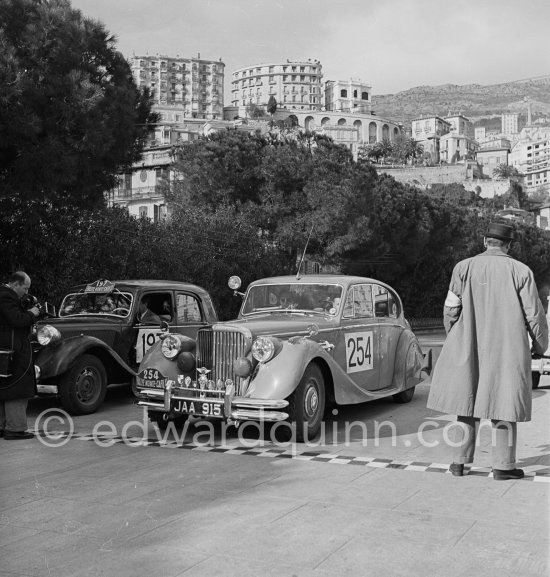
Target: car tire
404,396
157,418
83,387
307,404
535,380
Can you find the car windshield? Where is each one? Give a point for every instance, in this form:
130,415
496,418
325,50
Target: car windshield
314,298
83,303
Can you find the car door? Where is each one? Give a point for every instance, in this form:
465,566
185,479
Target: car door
148,331
190,315
357,349
386,311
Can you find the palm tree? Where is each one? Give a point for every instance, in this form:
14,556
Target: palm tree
414,149
505,171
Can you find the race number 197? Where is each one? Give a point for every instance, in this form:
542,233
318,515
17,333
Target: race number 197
359,352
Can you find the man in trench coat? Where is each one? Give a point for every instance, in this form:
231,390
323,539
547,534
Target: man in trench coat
15,324
484,369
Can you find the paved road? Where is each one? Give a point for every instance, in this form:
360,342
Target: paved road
373,498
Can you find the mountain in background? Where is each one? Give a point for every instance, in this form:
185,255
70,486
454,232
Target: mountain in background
474,101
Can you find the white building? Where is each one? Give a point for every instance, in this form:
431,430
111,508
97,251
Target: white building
509,123
191,86
348,96
295,85
531,157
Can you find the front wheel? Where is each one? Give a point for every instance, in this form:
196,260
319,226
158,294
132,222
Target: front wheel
535,380
83,387
307,404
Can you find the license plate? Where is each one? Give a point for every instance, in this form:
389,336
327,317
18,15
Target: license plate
151,378
198,407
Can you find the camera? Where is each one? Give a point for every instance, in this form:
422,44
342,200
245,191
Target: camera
28,301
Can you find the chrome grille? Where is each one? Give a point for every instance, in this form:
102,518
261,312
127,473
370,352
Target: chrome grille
216,350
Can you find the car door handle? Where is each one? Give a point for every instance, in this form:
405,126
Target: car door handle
327,346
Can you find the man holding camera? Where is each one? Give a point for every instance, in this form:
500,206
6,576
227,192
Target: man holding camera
17,388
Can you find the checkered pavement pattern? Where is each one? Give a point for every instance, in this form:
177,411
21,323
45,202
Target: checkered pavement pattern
320,456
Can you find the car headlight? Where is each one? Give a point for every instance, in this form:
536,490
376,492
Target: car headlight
47,334
265,348
171,346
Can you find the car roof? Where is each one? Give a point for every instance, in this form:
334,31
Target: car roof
150,284
342,279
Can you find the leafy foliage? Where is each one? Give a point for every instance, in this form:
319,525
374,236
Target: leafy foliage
71,115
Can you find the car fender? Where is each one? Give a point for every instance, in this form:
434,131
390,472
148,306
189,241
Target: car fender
409,361
279,377
56,359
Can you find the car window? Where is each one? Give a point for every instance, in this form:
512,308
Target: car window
154,307
188,309
307,297
358,303
114,303
385,302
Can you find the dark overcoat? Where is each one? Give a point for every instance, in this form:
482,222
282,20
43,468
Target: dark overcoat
21,385
484,369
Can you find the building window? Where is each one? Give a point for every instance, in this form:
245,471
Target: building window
343,93
143,212
355,94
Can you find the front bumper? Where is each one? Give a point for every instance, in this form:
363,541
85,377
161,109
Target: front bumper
177,400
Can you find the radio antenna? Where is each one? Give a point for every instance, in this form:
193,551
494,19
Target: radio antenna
303,254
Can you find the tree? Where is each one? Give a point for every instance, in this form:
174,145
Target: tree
71,115
503,171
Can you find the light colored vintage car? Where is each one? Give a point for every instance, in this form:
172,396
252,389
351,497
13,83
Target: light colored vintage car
540,364
297,345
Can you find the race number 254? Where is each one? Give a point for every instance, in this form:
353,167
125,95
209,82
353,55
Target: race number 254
359,352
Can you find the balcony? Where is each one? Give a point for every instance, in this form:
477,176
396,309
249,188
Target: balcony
137,193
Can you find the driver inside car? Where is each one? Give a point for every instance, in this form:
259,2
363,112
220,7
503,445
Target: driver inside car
145,315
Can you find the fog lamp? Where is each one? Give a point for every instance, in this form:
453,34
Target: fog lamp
242,367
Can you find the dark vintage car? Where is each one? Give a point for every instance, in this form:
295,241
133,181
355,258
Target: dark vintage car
100,335
296,345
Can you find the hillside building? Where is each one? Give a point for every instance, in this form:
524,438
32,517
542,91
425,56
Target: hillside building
532,159
509,123
428,131
192,87
348,96
295,85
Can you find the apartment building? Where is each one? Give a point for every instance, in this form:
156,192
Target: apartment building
191,86
509,123
532,159
295,85
428,131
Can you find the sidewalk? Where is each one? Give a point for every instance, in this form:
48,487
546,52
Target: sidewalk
179,509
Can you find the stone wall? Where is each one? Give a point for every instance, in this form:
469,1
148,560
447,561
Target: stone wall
425,176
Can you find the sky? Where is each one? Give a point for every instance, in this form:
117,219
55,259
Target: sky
392,45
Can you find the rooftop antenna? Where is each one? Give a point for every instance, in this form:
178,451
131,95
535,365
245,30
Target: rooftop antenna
303,254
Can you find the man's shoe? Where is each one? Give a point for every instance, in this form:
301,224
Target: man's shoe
14,435
457,469
504,474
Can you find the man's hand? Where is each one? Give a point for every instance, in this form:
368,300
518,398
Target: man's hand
35,311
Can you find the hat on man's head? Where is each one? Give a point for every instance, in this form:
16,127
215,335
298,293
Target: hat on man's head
500,231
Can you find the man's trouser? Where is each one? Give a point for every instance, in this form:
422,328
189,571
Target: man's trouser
13,415
503,442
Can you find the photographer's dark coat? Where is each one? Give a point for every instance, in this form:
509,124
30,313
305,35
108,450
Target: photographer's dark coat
21,385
